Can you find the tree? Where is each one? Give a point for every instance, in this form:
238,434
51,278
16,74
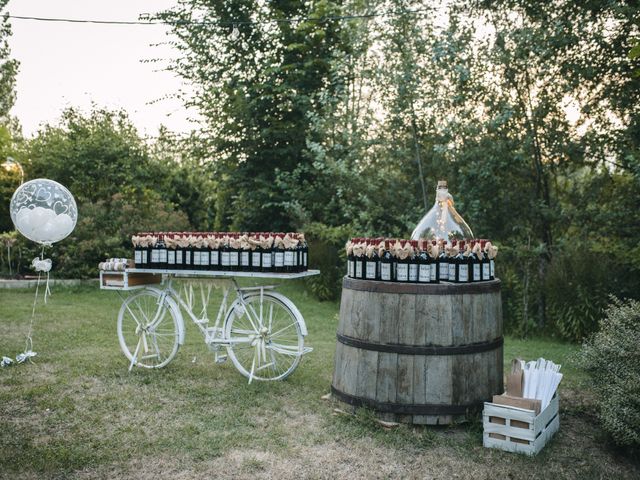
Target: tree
8,67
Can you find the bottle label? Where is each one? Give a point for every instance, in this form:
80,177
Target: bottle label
371,270
155,255
187,258
171,257
266,260
444,270
476,272
434,272
233,259
358,269
163,255
255,259
413,272
452,272
196,258
279,260
424,274
213,258
349,268
402,272
485,271
463,273
288,259
204,258
225,259
385,272
244,259
138,257
179,254
304,259
493,269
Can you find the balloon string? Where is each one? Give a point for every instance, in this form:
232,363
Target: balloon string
29,342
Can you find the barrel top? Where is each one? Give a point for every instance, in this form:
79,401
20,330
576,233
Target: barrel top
420,288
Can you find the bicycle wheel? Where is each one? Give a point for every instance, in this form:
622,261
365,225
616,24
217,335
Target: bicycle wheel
265,337
148,330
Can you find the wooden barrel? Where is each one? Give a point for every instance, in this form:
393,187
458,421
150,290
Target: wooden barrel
418,353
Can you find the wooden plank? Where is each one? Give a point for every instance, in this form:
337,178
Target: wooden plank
346,305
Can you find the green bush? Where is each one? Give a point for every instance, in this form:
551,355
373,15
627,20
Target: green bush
326,253
611,358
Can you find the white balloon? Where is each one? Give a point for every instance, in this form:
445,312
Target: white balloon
34,207
64,226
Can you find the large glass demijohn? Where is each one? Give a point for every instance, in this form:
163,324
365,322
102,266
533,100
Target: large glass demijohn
442,221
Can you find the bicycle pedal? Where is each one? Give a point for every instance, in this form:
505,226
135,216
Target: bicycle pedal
221,358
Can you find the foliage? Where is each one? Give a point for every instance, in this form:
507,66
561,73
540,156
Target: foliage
611,358
121,186
326,253
8,67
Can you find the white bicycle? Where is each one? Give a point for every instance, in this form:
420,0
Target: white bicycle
261,330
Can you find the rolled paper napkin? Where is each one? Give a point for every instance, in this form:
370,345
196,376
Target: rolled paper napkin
478,251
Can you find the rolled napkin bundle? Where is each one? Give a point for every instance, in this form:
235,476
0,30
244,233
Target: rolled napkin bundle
115,265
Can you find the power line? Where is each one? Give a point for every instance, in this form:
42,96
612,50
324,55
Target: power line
227,23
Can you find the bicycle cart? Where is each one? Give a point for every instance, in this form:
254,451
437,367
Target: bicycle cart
261,330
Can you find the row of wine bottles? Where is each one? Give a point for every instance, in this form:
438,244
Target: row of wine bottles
421,261
226,251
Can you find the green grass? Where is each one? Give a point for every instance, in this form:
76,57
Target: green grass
77,412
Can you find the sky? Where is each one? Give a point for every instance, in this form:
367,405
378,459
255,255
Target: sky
69,64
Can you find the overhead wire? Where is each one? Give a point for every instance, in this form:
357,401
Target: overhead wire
226,23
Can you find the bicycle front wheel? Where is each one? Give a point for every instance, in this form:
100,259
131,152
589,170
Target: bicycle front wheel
148,329
265,338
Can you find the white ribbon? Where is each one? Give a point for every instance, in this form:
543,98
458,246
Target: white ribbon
22,357
41,265
5,362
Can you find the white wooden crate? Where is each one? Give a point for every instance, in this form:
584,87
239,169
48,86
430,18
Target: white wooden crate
519,430
112,280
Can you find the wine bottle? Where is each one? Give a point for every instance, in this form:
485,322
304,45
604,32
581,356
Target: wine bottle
171,251
371,261
245,255
424,263
267,252
386,264
453,253
413,261
256,254
234,252
443,262
288,262
214,252
278,253
475,262
435,264
205,253
402,263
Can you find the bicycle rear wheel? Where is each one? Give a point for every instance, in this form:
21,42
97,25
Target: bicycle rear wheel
148,329
265,336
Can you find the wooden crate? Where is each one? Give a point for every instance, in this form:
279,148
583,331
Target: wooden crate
127,280
517,429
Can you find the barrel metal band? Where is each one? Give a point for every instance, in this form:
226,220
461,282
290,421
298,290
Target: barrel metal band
422,349
403,409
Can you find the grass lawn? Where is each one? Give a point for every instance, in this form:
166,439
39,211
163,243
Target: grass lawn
77,413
